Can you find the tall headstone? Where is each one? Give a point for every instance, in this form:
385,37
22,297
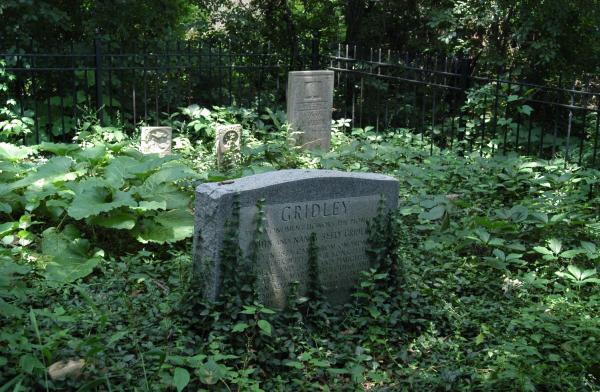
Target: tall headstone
309,106
334,205
228,142
156,140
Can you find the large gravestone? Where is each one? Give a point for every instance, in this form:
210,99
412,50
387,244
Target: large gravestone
156,140
334,205
309,106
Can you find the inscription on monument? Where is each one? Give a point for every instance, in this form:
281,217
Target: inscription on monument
309,105
282,253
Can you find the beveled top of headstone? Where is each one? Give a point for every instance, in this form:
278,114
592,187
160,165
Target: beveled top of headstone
312,72
276,178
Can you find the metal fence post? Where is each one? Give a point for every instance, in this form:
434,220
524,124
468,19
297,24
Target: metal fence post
98,75
465,67
464,70
315,63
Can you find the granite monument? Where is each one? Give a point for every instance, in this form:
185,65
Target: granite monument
296,203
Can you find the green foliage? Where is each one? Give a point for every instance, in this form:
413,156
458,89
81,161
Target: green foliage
486,277
69,256
93,193
14,125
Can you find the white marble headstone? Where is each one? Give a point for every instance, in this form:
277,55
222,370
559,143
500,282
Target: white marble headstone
156,140
309,106
228,140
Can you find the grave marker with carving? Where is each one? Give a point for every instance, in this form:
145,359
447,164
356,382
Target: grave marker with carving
156,140
228,140
334,205
309,106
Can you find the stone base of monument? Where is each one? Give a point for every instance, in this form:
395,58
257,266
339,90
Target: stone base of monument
296,203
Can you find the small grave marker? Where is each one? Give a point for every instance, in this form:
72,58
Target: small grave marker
156,140
333,205
228,142
309,106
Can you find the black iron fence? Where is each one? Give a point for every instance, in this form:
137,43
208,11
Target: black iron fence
448,102
453,105
128,85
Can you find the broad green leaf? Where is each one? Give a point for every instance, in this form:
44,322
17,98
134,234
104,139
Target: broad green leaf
115,220
10,310
70,256
575,271
587,273
357,373
433,214
8,227
294,364
526,109
58,148
265,326
28,362
117,336
540,216
5,207
267,311
542,250
56,169
9,268
168,173
92,197
165,192
151,205
167,226
589,247
518,213
12,153
239,327
249,310
118,170
499,254
569,254
146,164
555,245
210,373
479,339
483,235
320,363
181,378
94,154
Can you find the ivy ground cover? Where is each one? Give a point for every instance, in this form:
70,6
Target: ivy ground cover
495,288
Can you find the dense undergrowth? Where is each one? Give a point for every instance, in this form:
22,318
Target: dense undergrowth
488,274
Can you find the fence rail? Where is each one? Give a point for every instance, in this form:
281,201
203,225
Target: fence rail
454,106
447,101
140,85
